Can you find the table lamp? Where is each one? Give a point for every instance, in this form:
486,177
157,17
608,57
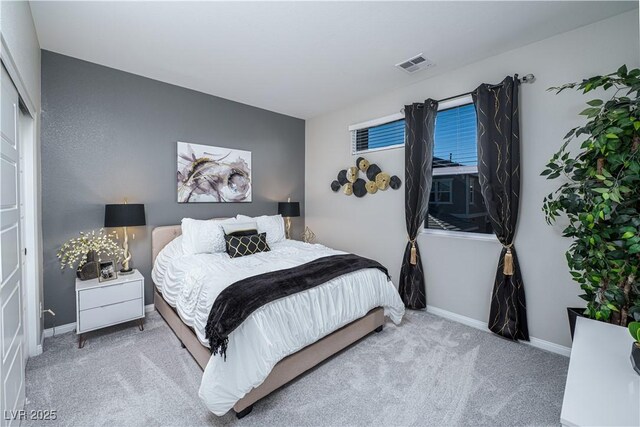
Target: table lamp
288,210
124,215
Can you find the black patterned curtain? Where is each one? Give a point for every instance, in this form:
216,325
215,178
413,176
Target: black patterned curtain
499,176
420,122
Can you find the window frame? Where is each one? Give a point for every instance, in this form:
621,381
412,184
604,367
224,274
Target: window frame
373,123
469,235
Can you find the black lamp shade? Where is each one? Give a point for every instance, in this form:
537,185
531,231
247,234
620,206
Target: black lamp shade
289,209
125,215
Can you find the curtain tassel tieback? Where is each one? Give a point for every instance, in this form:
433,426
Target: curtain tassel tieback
414,253
507,269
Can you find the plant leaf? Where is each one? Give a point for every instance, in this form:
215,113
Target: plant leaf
634,329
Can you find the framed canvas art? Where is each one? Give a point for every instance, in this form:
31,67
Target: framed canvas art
213,174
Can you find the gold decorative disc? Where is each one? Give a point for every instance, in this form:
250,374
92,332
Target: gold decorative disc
371,187
352,174
348,189
382,180
363,165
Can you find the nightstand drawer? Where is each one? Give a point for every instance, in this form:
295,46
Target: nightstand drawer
109,294
100,317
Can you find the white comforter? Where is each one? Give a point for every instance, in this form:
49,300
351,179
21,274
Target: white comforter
191,283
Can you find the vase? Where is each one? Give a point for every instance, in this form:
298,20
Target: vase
635,356
574,313
90,269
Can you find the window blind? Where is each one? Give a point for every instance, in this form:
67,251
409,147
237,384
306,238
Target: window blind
455,140
378,137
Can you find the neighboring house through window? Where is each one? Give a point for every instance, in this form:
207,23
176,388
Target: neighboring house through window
442,191
455,188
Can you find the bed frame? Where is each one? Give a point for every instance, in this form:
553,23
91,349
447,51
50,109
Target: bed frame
288,368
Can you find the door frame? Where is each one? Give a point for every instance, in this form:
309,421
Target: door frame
29,131
29,180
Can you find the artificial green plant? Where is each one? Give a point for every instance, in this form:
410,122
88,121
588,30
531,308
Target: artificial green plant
600,196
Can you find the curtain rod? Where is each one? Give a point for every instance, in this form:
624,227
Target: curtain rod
529,78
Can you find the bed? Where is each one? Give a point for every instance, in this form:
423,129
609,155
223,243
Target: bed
279,341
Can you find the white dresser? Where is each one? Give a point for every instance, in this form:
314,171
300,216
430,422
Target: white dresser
602,388
102,304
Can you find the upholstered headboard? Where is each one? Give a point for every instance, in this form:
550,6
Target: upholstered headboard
161,236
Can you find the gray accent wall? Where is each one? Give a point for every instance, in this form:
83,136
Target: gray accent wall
108,134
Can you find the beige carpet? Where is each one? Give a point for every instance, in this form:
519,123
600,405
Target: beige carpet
428,371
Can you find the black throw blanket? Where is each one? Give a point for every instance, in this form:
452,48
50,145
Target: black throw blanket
238,301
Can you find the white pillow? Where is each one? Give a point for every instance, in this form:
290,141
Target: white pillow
203,236
239,226
273,225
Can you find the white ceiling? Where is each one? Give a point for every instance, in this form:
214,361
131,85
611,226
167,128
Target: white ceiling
299,58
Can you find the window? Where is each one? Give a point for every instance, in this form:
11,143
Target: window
379,134
472,192
441,191
455,140
455,203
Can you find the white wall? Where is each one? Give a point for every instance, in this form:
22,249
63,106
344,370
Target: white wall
18,31
460,272
21,55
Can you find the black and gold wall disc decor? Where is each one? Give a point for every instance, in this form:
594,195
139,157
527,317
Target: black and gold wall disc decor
342,177
351,183
359,189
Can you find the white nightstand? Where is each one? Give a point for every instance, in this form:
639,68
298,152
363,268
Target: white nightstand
102,304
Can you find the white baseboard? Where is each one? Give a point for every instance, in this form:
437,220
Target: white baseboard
457,318
533,342
62,329
69,327
549,346
39,347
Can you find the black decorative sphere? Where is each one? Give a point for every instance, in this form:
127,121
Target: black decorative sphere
359,189
373,171
395,182
335,186
342,177
358,161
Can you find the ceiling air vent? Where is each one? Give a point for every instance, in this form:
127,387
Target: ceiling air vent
414,64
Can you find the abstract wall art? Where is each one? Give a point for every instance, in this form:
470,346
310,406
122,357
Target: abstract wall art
213,174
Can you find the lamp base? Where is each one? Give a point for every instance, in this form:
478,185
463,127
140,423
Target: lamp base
127,271
287,227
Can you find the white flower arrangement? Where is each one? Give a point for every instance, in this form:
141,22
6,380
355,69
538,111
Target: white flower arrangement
75,250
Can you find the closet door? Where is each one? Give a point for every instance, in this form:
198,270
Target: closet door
12,360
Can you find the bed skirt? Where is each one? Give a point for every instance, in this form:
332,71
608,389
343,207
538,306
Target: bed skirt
288,368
